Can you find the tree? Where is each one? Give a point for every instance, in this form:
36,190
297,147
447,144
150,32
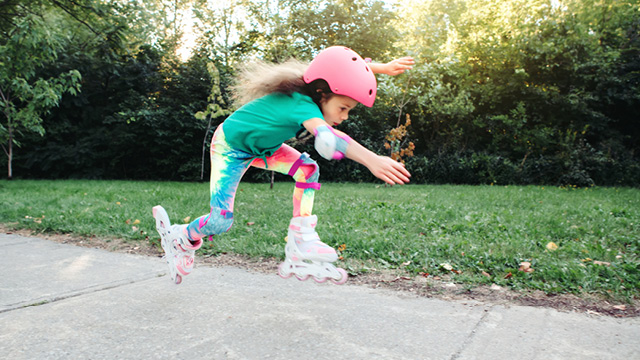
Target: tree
24,96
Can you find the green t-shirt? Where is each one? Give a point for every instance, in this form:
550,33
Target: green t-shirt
262,125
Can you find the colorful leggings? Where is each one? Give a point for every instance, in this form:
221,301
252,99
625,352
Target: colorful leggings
228,165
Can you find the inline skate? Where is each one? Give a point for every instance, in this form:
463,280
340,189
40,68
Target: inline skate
179,251
306,256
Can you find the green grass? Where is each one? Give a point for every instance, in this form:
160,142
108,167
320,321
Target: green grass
473,234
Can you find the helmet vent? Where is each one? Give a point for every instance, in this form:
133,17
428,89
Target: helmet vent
354,59
370,92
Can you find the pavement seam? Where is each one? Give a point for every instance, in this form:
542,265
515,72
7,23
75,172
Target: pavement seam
85,291
473,333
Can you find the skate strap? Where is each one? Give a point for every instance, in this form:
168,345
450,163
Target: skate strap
303,159
296,166
303,229
308,237
303,185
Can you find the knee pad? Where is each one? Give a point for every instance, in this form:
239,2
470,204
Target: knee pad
329,144
217,222
312,179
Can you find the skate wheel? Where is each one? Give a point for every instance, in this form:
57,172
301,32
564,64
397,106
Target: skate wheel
343,279
178,279
320,280
302,278
282,273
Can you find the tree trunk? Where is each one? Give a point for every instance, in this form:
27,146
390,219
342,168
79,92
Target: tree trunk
10,156
204,148
273,178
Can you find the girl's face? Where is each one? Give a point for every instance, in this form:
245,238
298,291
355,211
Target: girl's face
335,108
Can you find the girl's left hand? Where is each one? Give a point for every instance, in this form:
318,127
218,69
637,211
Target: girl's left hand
398,66
389,170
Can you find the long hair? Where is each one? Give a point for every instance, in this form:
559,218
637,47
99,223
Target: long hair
259,78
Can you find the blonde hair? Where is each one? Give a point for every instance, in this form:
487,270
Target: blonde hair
259,78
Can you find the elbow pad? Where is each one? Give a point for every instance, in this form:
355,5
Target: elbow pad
329,144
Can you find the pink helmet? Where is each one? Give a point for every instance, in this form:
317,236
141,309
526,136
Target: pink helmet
345,72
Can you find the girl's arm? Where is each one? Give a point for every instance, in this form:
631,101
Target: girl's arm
394,67
382,167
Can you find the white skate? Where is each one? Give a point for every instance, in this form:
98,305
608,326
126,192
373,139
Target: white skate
306,255
178,250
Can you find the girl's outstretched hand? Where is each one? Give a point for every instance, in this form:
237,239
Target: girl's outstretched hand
398,66
393,67
389,170
383,167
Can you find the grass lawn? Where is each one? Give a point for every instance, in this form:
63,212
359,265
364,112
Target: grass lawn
558,240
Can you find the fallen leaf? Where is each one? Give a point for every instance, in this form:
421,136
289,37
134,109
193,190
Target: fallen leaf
552,246
525,266
187,219
496,287
407,263
136,222
128,221
508,275
603,263
250,223
620,307
486,274
447,267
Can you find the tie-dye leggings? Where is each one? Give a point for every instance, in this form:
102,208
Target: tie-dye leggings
228,165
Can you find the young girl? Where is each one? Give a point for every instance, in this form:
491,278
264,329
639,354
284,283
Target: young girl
278,101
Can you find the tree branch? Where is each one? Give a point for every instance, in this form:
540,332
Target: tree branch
68,11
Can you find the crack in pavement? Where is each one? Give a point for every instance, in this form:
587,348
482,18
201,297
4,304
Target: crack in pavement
72,294
472,334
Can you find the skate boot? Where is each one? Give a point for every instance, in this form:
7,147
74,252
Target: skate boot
306,255
178,250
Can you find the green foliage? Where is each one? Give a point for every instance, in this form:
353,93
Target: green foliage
25,96
363,25
539,84
530,92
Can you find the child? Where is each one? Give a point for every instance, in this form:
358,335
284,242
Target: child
279,101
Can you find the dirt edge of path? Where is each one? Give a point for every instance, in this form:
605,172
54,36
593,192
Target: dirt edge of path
395,280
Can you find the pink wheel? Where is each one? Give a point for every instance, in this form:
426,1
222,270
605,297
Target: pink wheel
343,279
302,278
320,280
178,279
282,273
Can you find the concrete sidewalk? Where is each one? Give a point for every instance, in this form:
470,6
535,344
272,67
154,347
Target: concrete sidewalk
65,302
